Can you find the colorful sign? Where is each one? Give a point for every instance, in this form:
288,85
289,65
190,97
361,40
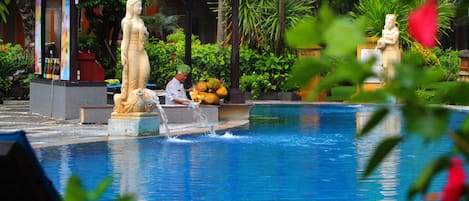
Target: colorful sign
65,42
38,40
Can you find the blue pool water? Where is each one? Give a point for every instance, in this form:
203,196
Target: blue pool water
287,152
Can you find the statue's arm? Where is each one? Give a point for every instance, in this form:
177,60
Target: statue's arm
391,38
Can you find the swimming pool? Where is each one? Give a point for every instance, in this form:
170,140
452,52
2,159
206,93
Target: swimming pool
287,152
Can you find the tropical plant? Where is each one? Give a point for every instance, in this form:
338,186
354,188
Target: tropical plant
375,10
4,10
87,43
422,120
340,7
161,25
12,61
259,25
449,61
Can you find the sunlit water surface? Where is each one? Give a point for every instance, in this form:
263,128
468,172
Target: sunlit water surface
287,152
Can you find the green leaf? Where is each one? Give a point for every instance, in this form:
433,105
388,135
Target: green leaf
457,94
126,197
425,177
465,125
304,35
100,189
326,16
432,75
342,37
378,96
461,142
380,153
75,190
377,116
305,69
429,122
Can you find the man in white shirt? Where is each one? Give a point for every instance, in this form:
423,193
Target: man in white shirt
175,93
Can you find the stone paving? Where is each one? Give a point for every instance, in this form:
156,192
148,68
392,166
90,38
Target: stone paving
45,131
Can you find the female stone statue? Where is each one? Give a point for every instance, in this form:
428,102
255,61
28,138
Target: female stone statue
134,59
388,44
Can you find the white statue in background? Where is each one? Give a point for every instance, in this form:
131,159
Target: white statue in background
136,67
388,45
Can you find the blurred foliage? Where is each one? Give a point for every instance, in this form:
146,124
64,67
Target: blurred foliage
338,63
76,191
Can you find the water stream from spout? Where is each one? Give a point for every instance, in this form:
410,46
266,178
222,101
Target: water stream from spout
164,118
201,118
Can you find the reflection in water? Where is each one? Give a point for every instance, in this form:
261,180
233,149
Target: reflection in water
64,170
388,169
310,121
126,164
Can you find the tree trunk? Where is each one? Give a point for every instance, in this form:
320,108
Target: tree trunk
221,26
27,15
281,14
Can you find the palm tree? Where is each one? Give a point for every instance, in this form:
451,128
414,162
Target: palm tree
4,10
259,20
281,16
221,26
161,24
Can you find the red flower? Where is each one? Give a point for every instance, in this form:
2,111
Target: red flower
454,189
4,48
173,57
423,23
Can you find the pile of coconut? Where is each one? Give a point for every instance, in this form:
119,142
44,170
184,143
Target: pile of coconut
209,92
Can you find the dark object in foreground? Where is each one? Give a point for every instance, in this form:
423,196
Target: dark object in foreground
21,175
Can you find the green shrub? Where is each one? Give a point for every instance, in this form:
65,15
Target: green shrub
255,83
163,57
265,73
12,61
449,61
429,57
213,60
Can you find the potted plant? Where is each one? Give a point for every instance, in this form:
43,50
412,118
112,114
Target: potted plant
90,70
87,44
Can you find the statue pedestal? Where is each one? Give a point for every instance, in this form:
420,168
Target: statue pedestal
134,124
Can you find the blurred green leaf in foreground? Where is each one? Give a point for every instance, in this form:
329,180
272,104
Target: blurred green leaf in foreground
339,37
